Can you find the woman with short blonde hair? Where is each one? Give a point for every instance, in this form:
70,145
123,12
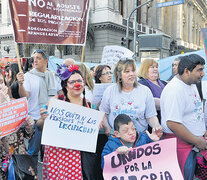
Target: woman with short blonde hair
149,76
144,67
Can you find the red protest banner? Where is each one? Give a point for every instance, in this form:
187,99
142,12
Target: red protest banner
12,115
50,21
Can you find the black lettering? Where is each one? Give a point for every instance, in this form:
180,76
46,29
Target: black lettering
168,175
157,148
136,167
140,152
113,165
132,168
114,178
126,168
126,158
149,165
144,167
148,151
144,176
132,178
161,176
132,154
153,176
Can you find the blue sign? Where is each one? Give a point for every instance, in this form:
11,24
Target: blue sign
169,3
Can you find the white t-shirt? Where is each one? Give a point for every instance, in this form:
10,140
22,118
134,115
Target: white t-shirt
138,104
181,103
88,94
31,85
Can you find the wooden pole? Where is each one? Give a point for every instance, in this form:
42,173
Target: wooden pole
83,54
18,58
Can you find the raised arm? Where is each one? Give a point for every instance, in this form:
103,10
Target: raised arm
22,91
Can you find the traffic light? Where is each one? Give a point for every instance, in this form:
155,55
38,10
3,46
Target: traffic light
123,41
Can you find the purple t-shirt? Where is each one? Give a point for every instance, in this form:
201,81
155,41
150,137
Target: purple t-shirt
156,90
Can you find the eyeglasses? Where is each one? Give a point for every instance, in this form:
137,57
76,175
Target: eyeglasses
107,73
72,82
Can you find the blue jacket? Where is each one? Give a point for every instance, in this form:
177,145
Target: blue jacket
113,143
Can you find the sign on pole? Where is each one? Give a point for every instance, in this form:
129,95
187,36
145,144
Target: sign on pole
169,3
12,116
112,54
157,160
71,126
50,22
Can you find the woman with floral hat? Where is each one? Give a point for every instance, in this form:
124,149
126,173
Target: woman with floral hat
61,163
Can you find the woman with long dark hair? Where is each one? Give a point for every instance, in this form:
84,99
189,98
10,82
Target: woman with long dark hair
57,166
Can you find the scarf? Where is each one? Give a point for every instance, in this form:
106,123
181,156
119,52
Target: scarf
47,85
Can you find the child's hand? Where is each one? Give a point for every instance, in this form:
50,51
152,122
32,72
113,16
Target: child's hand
123,150
158,131
154,136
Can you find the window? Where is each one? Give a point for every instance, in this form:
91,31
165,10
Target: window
121,7
68,50
138,12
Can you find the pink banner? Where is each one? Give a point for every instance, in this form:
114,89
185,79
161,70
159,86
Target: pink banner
50,21
157,160
12,116
204,32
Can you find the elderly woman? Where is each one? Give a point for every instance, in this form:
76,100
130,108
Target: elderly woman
149,76
103,74
129,97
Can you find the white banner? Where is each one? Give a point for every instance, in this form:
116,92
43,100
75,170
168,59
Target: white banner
71,126
98,91
112,54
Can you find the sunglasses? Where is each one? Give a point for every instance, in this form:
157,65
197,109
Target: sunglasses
125,59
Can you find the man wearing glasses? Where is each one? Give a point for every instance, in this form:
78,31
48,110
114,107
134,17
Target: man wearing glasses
37,85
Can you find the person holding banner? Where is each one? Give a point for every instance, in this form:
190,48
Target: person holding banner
182,112
126,137
38,86
130,98
14,142
61,163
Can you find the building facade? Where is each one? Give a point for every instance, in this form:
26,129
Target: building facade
107,25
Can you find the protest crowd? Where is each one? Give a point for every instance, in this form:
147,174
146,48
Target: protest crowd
138,107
